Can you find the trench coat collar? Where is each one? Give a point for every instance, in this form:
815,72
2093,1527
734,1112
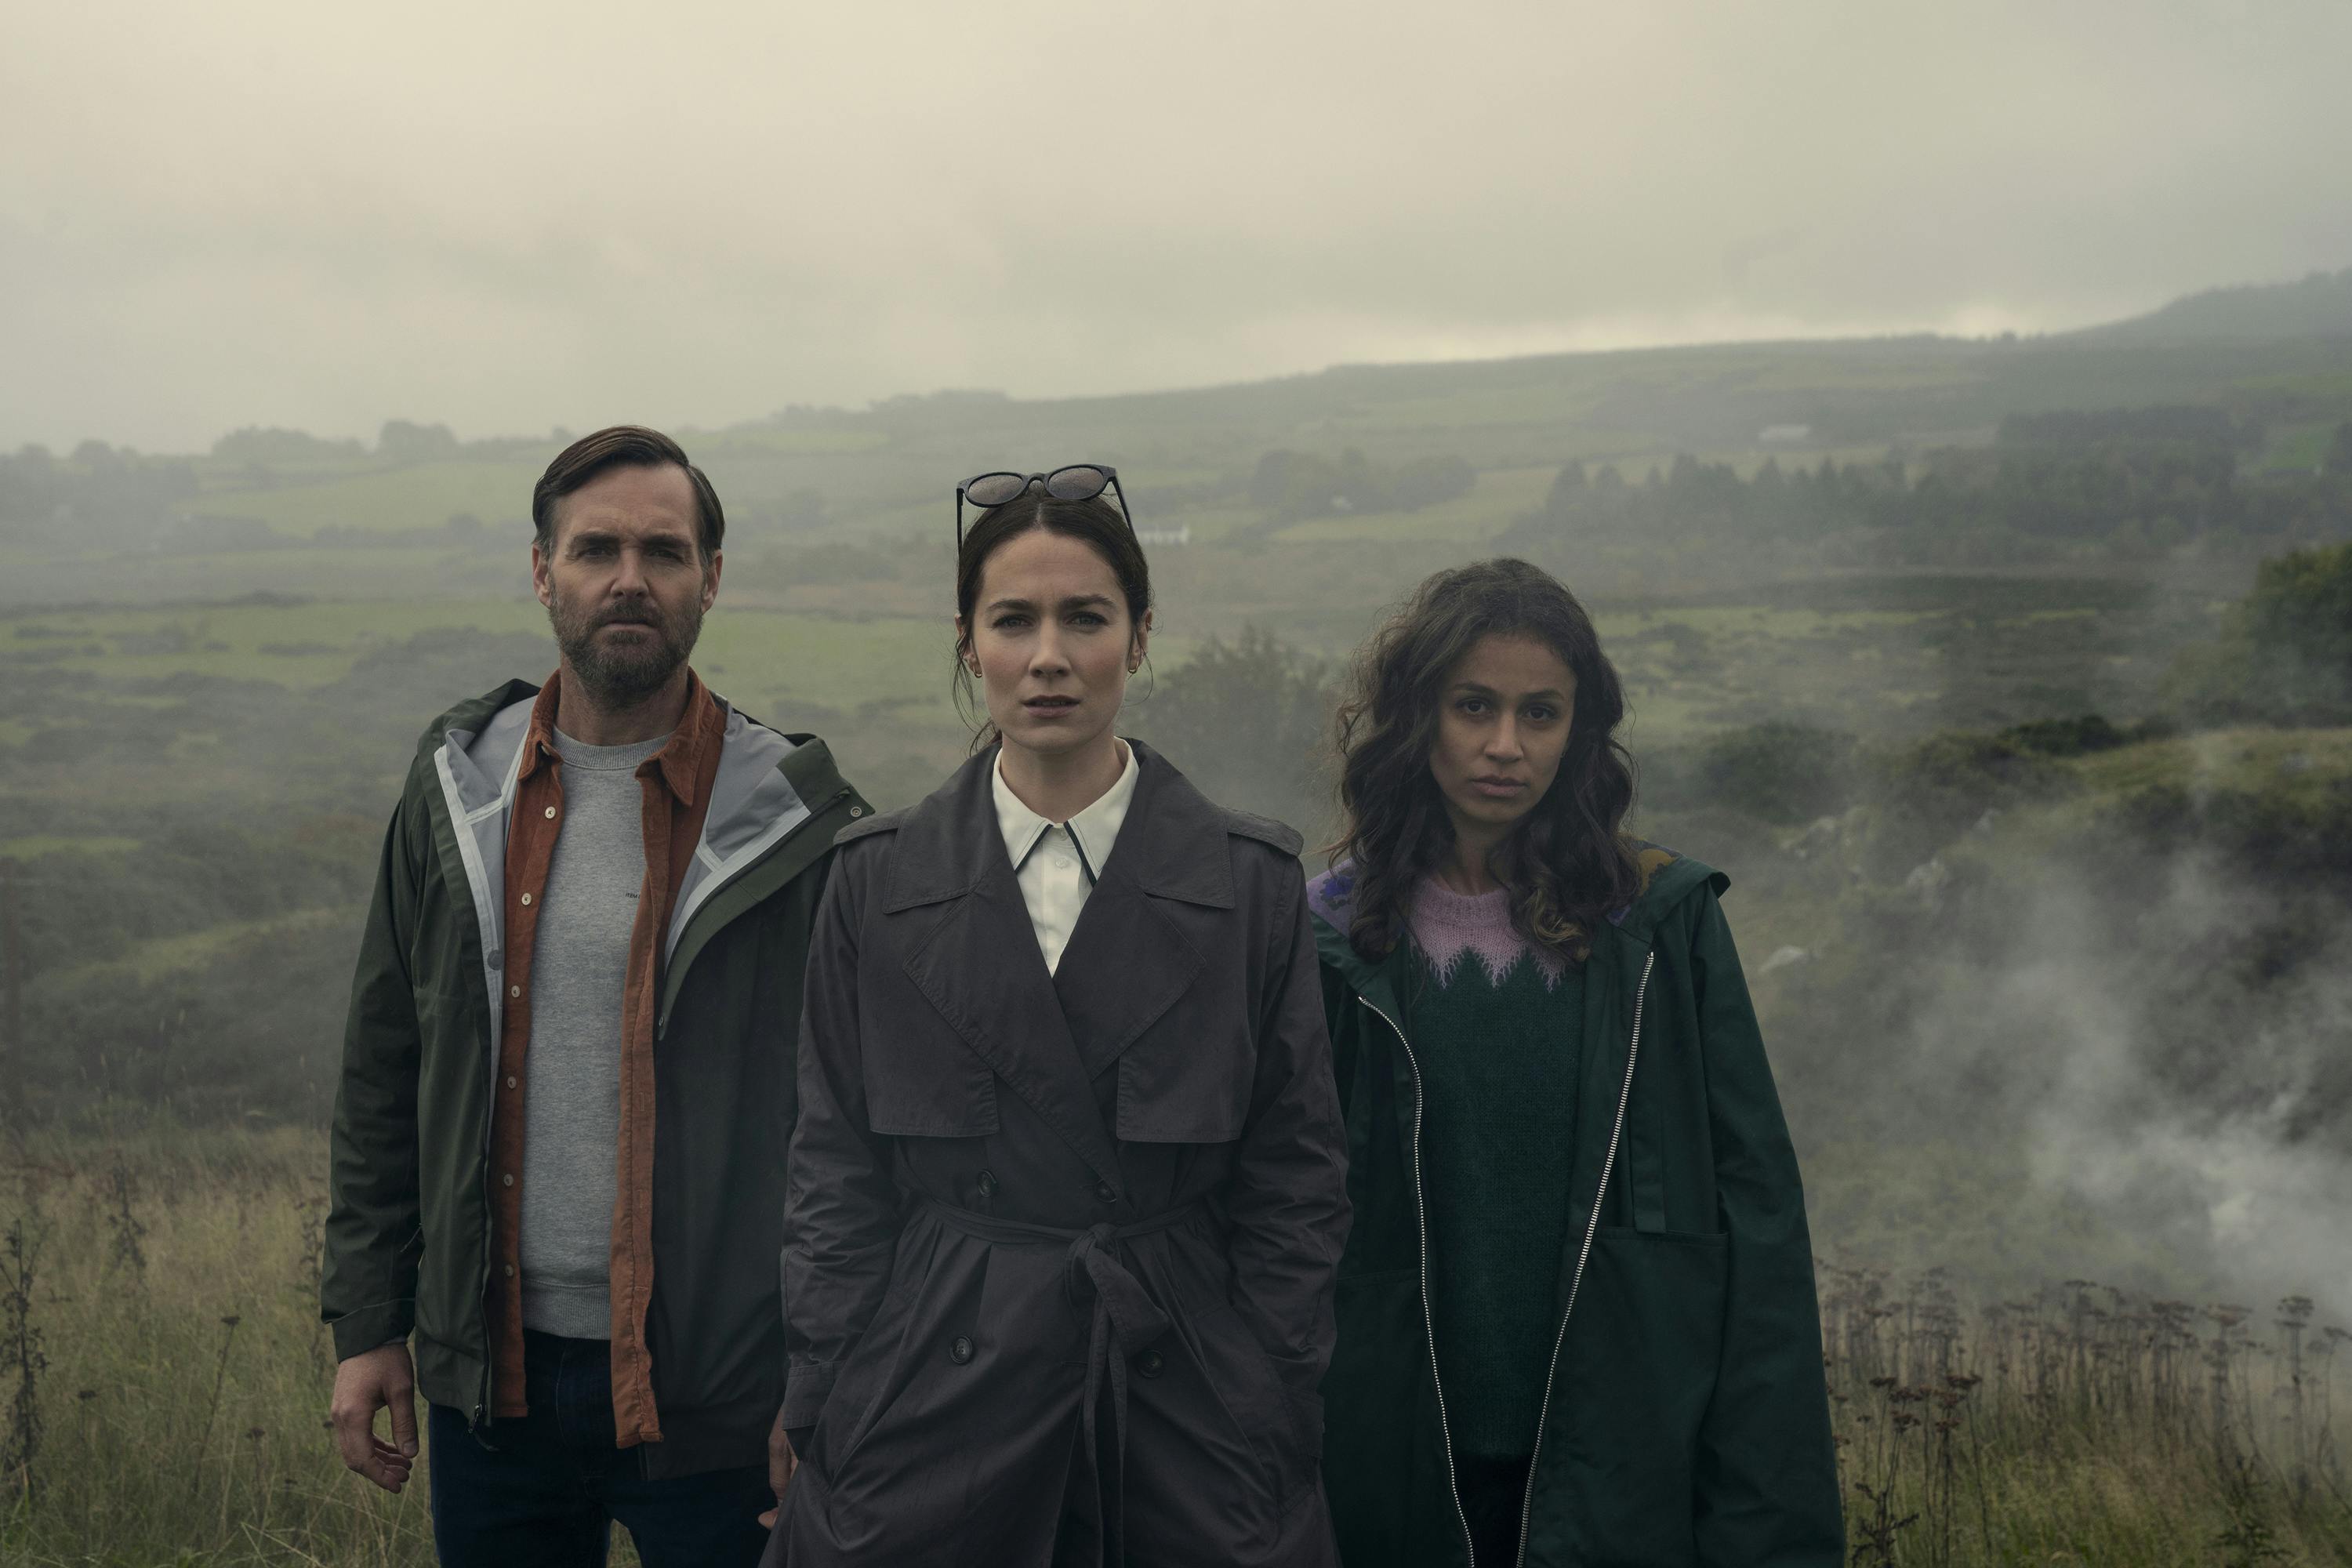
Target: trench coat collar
1173,842
1049,1035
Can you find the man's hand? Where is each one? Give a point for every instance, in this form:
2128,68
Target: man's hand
782,1463
374,1380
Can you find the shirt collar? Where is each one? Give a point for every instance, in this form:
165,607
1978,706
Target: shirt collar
1096,828
679,763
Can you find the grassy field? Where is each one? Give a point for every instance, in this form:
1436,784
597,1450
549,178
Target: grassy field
165,1281
416,496
889,659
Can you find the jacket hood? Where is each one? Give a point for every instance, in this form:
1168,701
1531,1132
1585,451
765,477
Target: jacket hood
768,786
1667,878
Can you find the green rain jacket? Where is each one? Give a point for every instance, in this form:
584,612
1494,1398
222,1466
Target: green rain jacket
1686,1416
408,1226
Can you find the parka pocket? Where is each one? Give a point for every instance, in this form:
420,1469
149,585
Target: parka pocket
1637,1373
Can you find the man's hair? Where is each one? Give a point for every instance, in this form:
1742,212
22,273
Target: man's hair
615,446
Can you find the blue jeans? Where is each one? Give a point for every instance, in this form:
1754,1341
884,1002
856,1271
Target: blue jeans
542,1490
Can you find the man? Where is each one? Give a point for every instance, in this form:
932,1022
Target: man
568,1073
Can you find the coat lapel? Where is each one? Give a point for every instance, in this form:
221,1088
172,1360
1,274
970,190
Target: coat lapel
980,966
1128,961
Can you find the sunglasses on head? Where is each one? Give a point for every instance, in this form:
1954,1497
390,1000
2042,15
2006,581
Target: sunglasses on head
1076,481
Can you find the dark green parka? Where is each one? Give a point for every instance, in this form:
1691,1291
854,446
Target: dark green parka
1686,1418
408,1240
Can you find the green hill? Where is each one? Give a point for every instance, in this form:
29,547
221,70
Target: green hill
2319,305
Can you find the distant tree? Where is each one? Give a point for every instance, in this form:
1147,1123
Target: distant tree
802,509
1247,722
29,485
1270,481
1568,490
2338,462
2297,623
1426,481
2284,655
254,444
1362,486
402,442
1778,772
1296,485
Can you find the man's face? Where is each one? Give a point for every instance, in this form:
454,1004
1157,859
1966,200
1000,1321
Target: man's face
625,581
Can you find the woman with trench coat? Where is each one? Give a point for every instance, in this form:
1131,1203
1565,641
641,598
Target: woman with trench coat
1067,1191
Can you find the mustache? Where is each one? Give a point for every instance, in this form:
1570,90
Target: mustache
628,616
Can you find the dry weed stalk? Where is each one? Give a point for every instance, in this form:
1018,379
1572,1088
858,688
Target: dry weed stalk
1929,1401
128,1249
21,1341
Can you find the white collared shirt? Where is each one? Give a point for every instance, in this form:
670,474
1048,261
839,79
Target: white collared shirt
1056,863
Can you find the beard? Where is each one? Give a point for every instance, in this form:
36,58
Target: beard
621,672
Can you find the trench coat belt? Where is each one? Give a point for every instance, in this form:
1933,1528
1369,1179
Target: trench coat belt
1123,1313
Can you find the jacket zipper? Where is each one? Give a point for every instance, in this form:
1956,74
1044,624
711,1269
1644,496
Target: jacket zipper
489,1208
1592,1226
661,1019
1429,1325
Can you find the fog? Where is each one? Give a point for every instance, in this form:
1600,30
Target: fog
264,213
2143,1067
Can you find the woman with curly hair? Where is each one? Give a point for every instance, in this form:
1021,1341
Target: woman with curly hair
1576,1315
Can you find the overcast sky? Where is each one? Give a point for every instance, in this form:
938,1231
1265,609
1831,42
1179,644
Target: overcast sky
508,217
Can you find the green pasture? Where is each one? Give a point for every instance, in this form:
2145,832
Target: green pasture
2292,766
2293,449
302,646
33,846
296,568
158,956
297,645
1498,498
413,496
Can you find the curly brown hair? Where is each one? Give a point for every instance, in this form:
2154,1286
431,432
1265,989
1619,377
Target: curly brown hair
1567,863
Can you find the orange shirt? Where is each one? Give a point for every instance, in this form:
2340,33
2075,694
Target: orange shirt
676,783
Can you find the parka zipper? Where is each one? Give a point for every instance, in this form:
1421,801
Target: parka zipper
661,1018
1428,1324
661,1032
1591,1227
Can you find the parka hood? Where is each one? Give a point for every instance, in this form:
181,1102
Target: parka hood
1667,878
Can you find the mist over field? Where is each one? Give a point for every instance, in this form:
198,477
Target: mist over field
1930,644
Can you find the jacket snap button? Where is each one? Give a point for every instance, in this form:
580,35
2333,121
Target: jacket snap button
987,1185
1106,1192
960,1350
1150,1365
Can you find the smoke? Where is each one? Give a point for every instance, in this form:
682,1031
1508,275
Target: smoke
2183,1102
2148,1046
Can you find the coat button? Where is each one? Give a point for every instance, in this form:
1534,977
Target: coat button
987,1183
1150,1365
1106,1192
960,1350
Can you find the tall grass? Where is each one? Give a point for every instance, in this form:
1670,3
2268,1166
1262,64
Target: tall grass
2084,1424
180,1381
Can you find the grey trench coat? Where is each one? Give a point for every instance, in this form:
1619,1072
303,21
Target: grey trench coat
1060,1247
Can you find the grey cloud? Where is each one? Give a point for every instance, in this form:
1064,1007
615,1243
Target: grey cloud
272,212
